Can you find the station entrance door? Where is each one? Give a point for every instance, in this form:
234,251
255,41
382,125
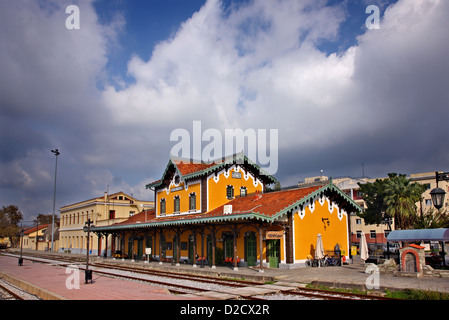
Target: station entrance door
273,247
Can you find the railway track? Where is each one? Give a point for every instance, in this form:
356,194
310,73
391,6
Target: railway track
180,283
181,276
7,294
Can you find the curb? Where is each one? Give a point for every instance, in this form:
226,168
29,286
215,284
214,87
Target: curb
31,288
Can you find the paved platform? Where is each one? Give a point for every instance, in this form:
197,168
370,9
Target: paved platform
49,283
349,276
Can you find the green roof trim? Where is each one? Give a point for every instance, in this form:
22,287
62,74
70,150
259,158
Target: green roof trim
226,161
329,187
236,216
198,220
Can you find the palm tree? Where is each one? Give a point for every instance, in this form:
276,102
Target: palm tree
401,198
432,219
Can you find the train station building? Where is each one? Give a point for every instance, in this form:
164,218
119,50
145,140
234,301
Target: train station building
224,213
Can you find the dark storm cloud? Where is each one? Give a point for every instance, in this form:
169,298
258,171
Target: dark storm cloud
48,100
381,102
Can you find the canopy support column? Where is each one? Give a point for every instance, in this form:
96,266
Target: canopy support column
214,244
194,248
260,247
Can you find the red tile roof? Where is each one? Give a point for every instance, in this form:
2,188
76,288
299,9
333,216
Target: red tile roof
415,246
141,217
33,229
255,206
186,168
268,203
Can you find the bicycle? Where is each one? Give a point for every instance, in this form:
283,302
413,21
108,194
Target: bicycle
310,261
330,261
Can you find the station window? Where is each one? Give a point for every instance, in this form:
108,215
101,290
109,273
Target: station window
192,201
162,206
177,204
230,192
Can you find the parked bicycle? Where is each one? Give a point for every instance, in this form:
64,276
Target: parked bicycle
330,261
313,262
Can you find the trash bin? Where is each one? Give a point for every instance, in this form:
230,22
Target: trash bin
337,252
88,276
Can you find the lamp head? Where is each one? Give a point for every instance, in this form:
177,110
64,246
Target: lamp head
437,195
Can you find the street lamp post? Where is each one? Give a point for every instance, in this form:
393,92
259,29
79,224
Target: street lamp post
37,234
438,194
21,245
87,228
57,153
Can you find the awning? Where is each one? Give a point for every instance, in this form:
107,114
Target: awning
441,234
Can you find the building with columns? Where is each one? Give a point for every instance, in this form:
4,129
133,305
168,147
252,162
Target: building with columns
223,213
103,211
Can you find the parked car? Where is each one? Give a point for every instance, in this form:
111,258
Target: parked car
393,246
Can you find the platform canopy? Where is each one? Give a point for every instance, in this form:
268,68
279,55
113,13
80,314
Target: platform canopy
441,234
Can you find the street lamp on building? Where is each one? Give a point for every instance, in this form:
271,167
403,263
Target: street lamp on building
57,153
438,194
21,245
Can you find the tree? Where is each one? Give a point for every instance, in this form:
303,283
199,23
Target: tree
47,219
374,196
394,197
401,199
10,218
432,220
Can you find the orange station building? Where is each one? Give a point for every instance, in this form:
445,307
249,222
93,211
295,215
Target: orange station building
223,213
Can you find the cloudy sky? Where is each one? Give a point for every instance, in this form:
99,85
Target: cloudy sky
109,94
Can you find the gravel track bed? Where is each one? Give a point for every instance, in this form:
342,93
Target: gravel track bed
168,280
284,296
22,293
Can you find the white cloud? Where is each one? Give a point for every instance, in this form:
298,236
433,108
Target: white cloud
257,65
237,67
